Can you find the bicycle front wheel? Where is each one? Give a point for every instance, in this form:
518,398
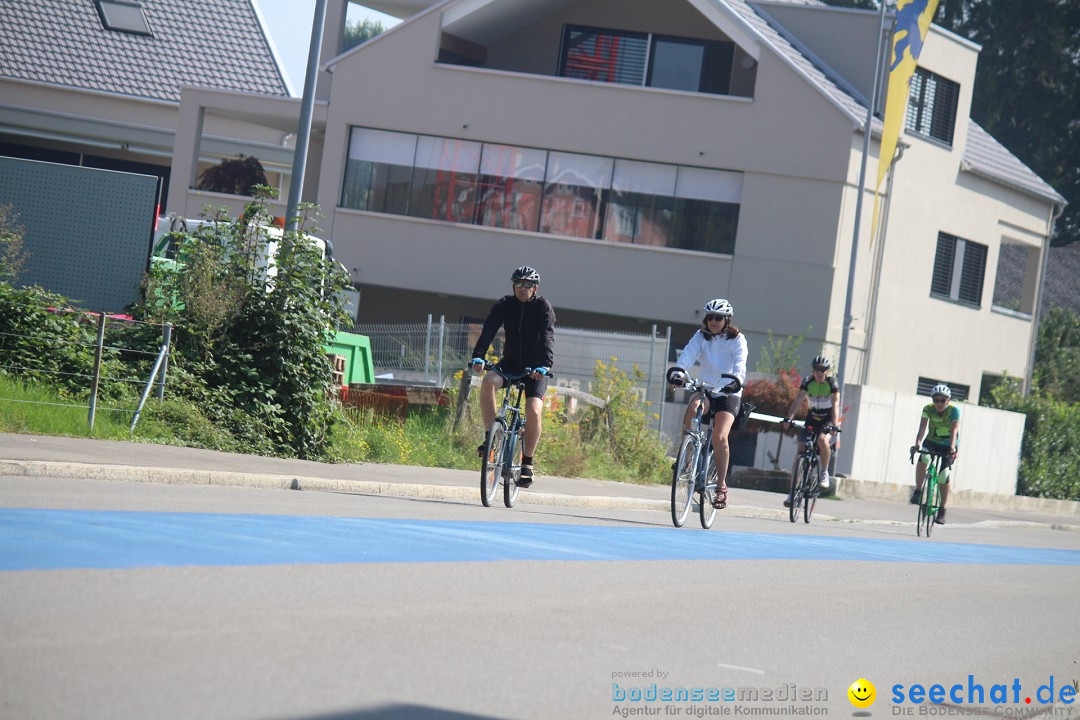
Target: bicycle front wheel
682,480
512,472
921,519
798,486
706,509
810,491
932,501
491,467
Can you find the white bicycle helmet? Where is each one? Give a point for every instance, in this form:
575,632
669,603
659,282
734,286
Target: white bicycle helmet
719,306
820,362
941,389
525,273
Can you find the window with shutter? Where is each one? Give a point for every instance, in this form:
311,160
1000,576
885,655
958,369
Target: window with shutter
959,270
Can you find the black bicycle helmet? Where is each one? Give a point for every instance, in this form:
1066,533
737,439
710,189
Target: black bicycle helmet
525,273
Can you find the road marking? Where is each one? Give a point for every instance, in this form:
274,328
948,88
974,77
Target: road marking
32,539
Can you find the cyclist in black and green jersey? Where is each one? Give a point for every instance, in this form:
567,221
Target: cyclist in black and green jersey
940,426
821,393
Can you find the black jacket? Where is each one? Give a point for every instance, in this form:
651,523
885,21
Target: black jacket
530,332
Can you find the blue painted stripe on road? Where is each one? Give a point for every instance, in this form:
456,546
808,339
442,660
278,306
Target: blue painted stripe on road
33,539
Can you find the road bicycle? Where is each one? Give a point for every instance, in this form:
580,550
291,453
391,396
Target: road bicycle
694,472
930,497
503,442
805,483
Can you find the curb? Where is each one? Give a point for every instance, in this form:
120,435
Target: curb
173,476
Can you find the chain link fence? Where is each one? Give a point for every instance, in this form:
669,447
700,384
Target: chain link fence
432,353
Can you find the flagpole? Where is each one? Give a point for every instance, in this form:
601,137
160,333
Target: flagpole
848,320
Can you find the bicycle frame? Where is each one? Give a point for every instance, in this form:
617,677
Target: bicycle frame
504,442
931,494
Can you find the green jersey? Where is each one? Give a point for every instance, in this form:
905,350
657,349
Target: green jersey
939,425
819,396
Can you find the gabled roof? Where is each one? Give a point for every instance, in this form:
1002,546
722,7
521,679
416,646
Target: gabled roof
983,155
211,43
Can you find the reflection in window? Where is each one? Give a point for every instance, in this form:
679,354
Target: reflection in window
676,65
510,187
572,196
604,55
528,189
444,179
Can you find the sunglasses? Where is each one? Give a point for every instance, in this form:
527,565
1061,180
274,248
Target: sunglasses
527,284
715,318
818,368
941,399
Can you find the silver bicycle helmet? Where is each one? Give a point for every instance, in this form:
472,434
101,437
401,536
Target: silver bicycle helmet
719,306
525,273
941,389
820,362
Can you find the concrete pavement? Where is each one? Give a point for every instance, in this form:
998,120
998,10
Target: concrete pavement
52,456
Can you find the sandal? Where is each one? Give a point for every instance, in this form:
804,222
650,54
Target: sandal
719,500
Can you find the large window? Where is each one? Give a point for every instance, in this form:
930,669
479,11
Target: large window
444,179
516,188
932,104
378,171
572,194
959,392
511,187
632,58
959,268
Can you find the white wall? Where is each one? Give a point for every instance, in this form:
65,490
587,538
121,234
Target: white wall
881,426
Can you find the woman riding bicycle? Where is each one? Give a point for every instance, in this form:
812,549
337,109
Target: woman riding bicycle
942,419
820,392
721,348
529,323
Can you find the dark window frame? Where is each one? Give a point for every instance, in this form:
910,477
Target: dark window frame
937,96
968,289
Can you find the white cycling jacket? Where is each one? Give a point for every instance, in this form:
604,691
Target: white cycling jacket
719,355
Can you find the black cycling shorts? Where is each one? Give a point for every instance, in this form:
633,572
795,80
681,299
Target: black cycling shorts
725,403
533,388
810,426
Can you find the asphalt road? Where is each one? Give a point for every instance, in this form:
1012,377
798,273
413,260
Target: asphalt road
134,600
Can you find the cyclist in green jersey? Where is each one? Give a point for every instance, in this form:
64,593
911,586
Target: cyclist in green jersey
940,426
821,393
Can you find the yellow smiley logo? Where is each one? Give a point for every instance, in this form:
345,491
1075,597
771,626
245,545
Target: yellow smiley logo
862,693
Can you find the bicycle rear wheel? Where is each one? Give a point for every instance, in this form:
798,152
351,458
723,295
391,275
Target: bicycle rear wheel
798,487
491,467
706,509
810,491
511,473
682,480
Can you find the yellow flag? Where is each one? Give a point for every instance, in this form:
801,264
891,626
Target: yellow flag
913,18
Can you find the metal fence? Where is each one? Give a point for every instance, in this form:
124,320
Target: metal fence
432,352
129,356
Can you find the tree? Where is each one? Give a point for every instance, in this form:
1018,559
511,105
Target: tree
360,32
1027,88
1057,354
235,176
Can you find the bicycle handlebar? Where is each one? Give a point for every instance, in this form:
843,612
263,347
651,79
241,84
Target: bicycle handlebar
697,385
511,378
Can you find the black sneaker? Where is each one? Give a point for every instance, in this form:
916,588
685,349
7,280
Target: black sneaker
480,450
526,478
939,518
787,501
915,496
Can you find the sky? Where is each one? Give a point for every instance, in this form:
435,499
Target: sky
289,24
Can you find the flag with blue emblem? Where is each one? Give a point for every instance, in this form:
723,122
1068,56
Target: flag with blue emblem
913,18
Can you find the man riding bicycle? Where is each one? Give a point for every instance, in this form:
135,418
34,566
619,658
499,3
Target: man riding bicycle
820,392
528,321
721,348
940,426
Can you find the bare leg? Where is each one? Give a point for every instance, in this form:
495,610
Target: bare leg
492,382
721,450
534,408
